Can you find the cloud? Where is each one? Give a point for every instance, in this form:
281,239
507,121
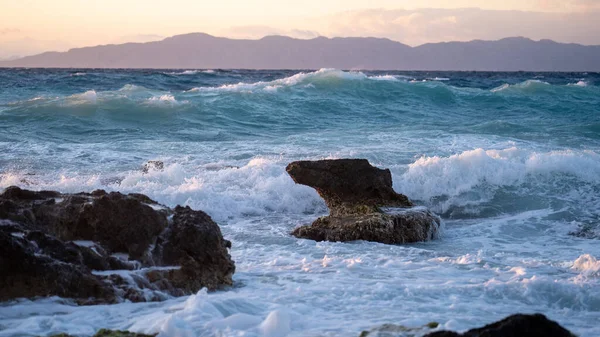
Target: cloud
419,26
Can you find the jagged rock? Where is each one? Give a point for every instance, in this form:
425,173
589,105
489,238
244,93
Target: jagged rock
518,325
403,226
117,333
68,244
194,241
122,223
362,203
26,273
393,330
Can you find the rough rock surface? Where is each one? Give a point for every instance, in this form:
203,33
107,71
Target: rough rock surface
110,333
349,186
362,203
105,247
518,325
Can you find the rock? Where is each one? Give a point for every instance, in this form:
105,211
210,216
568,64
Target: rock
349,186
519,325
153,165
404,226
68,245
121,223
117,333
26,273
194,241
110,333
393,330
363,205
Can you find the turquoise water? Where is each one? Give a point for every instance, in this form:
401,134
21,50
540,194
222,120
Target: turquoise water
511,161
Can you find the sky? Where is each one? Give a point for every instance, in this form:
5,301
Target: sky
33,26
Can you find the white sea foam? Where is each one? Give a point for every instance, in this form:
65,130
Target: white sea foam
523,86
429,177
580,83
587,265
162,100
88,97
319,76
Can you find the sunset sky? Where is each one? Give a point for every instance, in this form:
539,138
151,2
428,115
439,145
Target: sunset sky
33,26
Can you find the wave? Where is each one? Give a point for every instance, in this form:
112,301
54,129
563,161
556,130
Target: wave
225,191
191,72
321,76
529,85
580,83
474,177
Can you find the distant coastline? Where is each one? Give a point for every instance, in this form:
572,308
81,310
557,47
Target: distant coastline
203,51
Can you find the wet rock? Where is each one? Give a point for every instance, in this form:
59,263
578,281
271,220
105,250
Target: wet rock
349,186
109,333
104,247
518,325
363,205
27,273
194,242
117,333
393,330
153,165
121,223
403,226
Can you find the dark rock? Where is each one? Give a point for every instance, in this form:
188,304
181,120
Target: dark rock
117,333
26,273
363,205
349,186
153,165
39,257
393,330
194,242
519,325
109,333
121,223
410,225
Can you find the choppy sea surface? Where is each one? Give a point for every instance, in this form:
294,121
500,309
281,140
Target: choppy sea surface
511,161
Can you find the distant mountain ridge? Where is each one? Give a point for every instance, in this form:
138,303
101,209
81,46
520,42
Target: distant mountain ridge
203,51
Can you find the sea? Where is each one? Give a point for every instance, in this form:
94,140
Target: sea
510,161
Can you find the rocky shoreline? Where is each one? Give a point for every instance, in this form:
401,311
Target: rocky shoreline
104,248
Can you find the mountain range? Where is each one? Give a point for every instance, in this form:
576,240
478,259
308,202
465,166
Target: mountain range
203,51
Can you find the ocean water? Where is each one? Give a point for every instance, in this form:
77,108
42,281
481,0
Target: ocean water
511,162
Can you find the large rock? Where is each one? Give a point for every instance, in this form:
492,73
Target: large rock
105,247
519,325
349,186
362,203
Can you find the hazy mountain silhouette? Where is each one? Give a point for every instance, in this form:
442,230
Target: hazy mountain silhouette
198,50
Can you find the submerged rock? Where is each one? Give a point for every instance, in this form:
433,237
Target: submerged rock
362,203
153,165
519,325
104,247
